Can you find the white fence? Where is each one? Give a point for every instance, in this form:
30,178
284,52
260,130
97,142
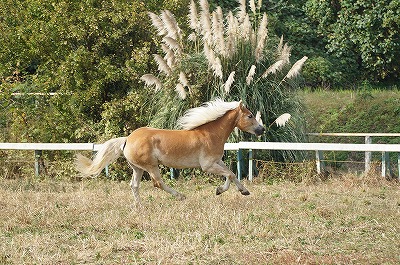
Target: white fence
385,149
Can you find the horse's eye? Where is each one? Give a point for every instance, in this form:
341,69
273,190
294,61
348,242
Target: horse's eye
250,116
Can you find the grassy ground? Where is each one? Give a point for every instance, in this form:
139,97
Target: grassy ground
352,111
352,220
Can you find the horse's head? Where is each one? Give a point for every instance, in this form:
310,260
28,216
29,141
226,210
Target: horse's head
247,122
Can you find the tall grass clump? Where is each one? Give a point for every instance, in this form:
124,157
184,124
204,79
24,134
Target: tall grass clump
227,55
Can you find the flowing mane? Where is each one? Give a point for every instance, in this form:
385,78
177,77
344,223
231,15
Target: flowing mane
209,111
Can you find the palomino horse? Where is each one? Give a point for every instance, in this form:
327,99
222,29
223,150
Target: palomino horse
199,145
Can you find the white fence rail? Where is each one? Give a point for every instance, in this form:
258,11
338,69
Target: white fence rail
317,147
320,147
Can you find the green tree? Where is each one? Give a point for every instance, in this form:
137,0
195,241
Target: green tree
363,33
88,52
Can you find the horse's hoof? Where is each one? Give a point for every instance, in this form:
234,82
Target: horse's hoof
181,197
219,191
245,192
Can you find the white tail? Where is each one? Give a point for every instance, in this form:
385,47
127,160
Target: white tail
110,151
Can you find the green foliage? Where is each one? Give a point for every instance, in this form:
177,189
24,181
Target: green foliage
364,32
88,52
121,117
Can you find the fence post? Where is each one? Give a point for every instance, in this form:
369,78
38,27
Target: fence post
398,167
107,172
385,164
251,164
368,154
319,155
38,154
239,164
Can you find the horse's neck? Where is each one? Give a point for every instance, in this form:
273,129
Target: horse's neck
221,127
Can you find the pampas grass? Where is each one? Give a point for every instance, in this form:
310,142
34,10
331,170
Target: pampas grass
157,23
295,70
284,53
258,118
242,10
283,119
252,6
228,55
261,37
150,80
162,64
229,82
250,75
180,90
183,79
277,66
172,44
193,16
217,67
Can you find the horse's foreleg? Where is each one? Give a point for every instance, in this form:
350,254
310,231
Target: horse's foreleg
135,183
159,183
220,169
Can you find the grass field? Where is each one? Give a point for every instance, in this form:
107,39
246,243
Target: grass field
347,220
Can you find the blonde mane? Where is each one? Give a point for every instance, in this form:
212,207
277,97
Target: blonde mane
209,111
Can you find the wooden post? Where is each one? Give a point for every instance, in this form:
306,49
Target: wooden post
319,155
251,164
38,154
368,155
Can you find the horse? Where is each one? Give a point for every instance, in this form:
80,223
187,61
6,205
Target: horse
199,144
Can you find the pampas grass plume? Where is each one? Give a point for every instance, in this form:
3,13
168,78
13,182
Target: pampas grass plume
258,118
217,67
162,64
250,75
283,119
261,37
150,79
242,10
295,70
252,6
157,23
171,25
229,82
183,79
193,16
277,66
180,90
259,4
285,53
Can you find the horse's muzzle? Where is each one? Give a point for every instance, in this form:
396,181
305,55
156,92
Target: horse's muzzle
259,130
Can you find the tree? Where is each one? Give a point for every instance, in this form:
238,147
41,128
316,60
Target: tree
366,33
88,52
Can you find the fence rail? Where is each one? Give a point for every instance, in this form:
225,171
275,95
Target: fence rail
317,147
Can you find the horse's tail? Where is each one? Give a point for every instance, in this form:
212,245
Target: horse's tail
109,152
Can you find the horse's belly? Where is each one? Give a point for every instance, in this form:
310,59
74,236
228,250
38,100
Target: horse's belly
180,162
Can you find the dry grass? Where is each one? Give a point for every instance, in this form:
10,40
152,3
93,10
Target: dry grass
352,220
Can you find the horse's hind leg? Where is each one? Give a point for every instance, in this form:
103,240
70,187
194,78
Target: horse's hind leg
159,183
135,182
